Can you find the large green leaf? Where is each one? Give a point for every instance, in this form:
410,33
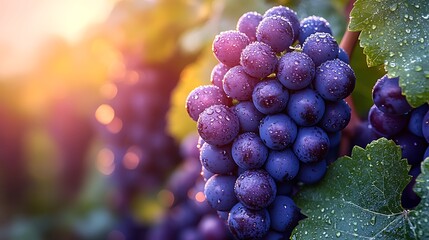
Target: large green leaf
394,33
360,198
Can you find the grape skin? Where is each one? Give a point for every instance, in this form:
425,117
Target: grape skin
255,189
275,31
258,59
218,125
219,192
296,70
387,96
248,116
334,80
203,97
248,151
238,84
278,131
386,125
248,23
282,165
270,96
228,45
245,223
313,24
306,107
321,47
288,14
217,159
284,214
311,144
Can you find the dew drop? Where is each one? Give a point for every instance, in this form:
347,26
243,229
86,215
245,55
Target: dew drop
418,68
373,27
393,7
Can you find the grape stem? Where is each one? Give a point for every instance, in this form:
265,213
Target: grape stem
348,43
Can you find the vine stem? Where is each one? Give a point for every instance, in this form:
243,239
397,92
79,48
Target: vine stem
348,43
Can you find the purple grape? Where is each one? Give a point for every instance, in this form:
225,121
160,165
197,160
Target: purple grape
343,56
278,131
248,151
288,14
227,47
258,60
270,96
311,144
245,223
275,31
189,147
247,24
334,80
311,173
313,24
218,125
425,127
248,116
212,228
282,165
321,47
219,192
387,96
255,189
203,97
295,70
206,174
306,107
217,159
386,125
416,119
337,116
217,74
413,147
284,214
238,84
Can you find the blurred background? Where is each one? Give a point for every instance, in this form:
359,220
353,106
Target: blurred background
95,142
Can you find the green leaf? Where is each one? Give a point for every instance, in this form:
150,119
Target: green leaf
420,216
359,198
394,33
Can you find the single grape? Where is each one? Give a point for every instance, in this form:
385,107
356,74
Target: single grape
295,70
217,74
416,119
288,14
413,147
203,97
306,107
311,144
270,96
248,151
284,214
425,127
337,116
282,165
245,223
247,24
334,80
387,96
343,56
218,125
217,159
313,24
219,192
248,116
386,125
277,32
228,45
258,59
310,173
321,47
278,131
238,84
255,189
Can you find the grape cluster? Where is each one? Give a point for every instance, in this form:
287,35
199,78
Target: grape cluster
133,126
392,117
271,119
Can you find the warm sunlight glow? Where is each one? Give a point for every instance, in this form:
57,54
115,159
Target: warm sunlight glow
200,197
105,161
166,197
105,114
131,159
